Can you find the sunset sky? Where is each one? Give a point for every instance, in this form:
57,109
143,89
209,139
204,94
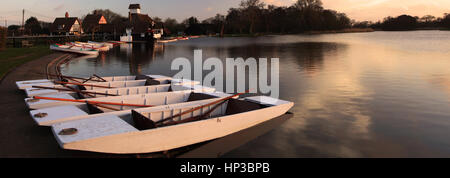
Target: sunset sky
360,10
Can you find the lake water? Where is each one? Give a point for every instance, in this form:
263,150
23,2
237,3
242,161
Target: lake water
380,94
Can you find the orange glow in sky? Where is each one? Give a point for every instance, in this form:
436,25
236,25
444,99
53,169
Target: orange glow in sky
378,9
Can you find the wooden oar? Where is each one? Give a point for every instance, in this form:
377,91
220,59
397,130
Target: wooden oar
64,89
91,102
200,107
95,75
81,84
103,106
98,105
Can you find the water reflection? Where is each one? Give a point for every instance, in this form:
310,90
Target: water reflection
376,94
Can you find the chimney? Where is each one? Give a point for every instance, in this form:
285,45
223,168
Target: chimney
135,8
67,15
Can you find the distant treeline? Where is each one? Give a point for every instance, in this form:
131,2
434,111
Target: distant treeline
407,22
253,16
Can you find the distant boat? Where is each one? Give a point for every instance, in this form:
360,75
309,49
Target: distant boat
183,38
74,49
167,41
109,45
100,47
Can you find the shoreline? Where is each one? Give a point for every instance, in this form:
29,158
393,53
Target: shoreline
19,134
350,30
13,58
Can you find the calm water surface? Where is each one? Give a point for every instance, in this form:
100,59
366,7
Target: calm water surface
381,94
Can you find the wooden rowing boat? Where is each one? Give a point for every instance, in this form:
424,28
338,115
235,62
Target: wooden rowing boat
167,41
94,78
183,38
79,109
74,49
37,91
127,92
129,132
109,45
97,46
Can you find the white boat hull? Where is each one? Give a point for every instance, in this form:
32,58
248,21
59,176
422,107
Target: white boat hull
124,92
125,139
79,51
115,84
22,85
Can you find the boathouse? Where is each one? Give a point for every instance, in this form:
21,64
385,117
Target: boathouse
140,25
66,26
96,23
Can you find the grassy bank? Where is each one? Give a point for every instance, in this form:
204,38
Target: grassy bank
13,57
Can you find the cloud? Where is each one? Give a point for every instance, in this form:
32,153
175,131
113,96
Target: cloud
59,7
378,9
279,2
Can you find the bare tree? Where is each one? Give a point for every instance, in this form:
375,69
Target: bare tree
252,9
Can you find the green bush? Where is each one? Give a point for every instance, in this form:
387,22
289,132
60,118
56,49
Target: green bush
3,32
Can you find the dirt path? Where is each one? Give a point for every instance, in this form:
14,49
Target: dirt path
19,135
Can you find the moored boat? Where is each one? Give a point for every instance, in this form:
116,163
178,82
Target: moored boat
94,78
167,41
38,90
165,127
182,38
73,49
81,109
58,98
109,45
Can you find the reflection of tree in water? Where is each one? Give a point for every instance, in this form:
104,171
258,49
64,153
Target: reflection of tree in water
310,55
141,54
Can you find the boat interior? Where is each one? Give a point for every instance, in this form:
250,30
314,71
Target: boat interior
151,100
151,118
141,80
124,91
85,109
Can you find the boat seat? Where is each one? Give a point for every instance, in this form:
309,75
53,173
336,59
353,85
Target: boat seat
54,114
199,96
80,87
93,109
80,96
236,106
141,122
150,82
142,77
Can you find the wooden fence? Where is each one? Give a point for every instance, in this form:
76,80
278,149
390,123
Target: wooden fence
3,32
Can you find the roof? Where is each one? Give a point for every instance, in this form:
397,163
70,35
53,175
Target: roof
141,23
107,28
134,6
63,24
90,21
